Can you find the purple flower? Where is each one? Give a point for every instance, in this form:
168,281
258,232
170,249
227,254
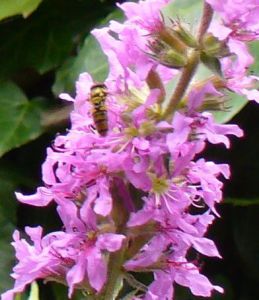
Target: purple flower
135,188
128,52
240,19
74,257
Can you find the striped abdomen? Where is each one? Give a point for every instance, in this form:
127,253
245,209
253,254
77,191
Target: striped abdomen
98,97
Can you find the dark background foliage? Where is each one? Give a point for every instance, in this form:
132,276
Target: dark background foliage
41,56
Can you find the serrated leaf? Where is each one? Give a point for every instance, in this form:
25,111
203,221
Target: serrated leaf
10,8
19,118
89,59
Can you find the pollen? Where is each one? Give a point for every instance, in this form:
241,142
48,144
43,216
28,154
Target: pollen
160,185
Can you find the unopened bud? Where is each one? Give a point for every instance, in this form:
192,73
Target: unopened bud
184,34
214,103
167,35
211,63
165,55
217,82
214,47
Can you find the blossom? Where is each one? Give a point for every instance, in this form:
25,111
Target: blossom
81,177
241,20
128,51
73,256
140,189
239,24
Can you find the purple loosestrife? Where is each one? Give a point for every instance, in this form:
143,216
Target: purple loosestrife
238,24
138,199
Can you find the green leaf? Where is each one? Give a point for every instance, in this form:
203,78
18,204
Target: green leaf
34,293
241,202
7,199
254,48
211,63
6,254
60,292
10,8
90,59
235,103
19,118
48,37
189,11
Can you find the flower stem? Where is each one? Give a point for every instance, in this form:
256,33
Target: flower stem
189,70
186,76
154,82
115,275
120,213
205,21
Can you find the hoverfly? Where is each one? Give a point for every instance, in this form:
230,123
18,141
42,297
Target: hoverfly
98,95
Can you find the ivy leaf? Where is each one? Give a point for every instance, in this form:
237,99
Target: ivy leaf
10,8
20,119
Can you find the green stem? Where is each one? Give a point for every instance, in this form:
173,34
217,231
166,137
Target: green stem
189,70
114,275
186,76
120,215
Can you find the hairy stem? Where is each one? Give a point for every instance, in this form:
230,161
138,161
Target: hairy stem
189,70
205,21
120,213
115,275
186,76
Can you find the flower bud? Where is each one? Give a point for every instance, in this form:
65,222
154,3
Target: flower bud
214,47
184,34
211,63
214,103
217,82
165,55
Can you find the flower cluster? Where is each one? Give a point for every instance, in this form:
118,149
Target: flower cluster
135,198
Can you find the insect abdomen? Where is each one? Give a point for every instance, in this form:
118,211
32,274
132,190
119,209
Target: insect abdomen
97,98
